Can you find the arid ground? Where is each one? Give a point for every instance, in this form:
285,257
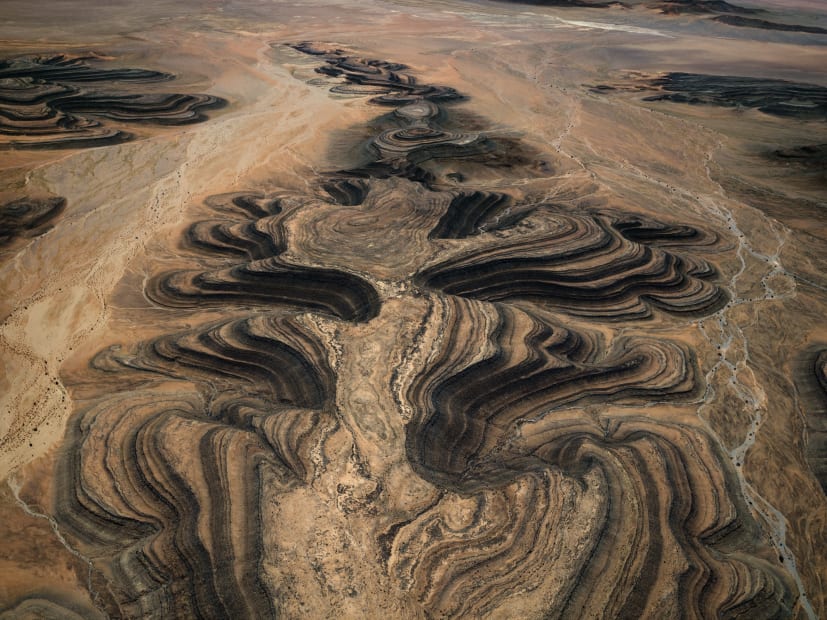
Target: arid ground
442,309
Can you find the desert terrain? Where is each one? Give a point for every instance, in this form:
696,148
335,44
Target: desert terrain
443,309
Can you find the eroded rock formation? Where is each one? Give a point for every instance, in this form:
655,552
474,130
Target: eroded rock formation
548,451
28,217
778,97
812,383
701,7
64,102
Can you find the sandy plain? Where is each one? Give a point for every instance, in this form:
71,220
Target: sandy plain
637,430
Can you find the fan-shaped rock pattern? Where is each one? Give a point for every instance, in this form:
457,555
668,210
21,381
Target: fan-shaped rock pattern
210,418
269,281
28,217
264,279
181,536
558,465
535,368
587,266
492,429
58,101
244,352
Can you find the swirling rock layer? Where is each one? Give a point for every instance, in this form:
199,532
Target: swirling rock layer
589,267
534,370
28,217
181,537
492,430
60,101
382,389
812,383
777,97
264,279
763,24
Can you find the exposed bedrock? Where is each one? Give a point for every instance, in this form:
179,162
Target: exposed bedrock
388,82
807,156
63,68
419,144
763,24
777,97
475,212
266,282
161,489
586,4
400,150
44,608
172,529
502,412
347,192
60,101
262,355
384,235
256,232
702,7
590,266
470,213
368,395
468,415
28,217
161,481
812,384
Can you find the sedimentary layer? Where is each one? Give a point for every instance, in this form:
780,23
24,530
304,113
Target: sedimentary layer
750,22
28,217
499,430
777,97
589,266
391,380
65,102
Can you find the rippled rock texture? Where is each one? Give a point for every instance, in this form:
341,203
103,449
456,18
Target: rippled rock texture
27,217
457,368
748,22
71,102
777,97
702,7
812,382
